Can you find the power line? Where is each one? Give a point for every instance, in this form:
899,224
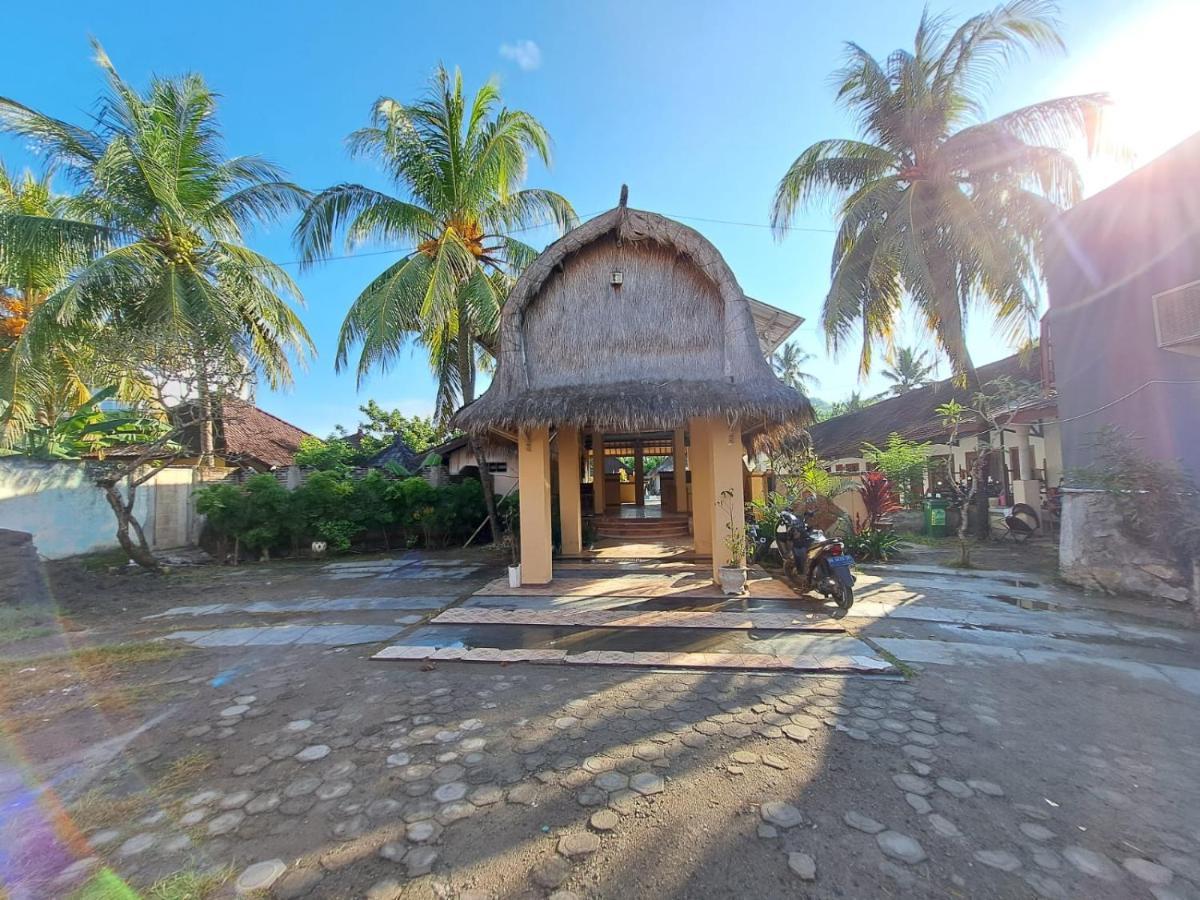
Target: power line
585,218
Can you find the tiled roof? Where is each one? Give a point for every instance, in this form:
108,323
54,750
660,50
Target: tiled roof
246,433
913,415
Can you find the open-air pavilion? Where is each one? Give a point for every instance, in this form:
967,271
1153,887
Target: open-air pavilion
630,336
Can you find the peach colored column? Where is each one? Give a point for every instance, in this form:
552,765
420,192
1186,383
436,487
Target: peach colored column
599,485
533,463
680,450
700,457
569,512
727,468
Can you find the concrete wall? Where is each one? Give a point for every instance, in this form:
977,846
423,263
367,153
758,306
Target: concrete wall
1094,552
502,482
68,515
58,504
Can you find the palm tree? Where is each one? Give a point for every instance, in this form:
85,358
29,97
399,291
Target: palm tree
937,202
854,403
787,362
908,370
57,382
158,221
461,165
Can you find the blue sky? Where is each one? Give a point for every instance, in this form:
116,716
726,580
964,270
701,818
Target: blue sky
698,106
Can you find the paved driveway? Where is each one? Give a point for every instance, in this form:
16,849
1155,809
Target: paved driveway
1047,751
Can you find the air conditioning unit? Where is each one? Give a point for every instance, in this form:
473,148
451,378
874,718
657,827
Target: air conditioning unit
1177,319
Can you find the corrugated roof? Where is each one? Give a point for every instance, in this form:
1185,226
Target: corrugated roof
913,415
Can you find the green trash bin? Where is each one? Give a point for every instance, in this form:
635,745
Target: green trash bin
935,517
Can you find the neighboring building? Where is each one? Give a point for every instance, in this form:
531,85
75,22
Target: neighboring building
1123,342
397,452
245,436
1124,323
631,333
1025,457
458,459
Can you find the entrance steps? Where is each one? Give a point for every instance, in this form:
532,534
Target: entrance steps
642,529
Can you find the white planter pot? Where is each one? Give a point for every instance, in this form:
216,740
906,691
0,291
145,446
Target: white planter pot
733,580
514,576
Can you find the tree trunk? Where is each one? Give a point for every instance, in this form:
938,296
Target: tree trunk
204,389
122,507
983,524
466,380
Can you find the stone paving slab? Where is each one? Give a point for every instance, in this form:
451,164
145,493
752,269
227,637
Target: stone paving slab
282,635
739,661
637,584
310,605
634,619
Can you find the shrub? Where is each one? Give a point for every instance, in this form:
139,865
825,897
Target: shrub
372,504
872,545
766,511
324,509
257,514
878,496
903,462
326,456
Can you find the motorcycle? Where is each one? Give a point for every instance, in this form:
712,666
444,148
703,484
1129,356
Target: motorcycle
814,562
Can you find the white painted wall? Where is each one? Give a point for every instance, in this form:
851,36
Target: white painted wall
67,514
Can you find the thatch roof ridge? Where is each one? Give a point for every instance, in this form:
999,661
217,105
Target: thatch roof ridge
742,383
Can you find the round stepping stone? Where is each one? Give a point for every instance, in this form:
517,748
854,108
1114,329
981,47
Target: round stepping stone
1036,832
262,803
313,753
299,725
797,733
775,762
393,851
1089,862
245,699
612,781
419,861
452,812
647,783
1149,872
986,787
865,824
955,788
100,838
188,819
236,800
331,790
781,814
604,820
399,759
551,873
304,785
204,798
744,757
230,712
139,843
578,843
998,859
226,822
803,865
900,846
260,876
913,784
447,793
943,826
421,832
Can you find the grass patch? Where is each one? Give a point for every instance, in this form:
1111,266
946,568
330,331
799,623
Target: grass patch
104,560
190,885
185,885
96,809
185,770
17,624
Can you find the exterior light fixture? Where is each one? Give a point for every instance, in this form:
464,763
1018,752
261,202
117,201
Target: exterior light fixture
617,278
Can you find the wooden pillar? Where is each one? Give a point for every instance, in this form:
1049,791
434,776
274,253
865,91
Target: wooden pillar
725,447
570,514
533,466
598,486
700,456
680,450
639,474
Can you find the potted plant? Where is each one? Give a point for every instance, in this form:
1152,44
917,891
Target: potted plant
732,575
513,542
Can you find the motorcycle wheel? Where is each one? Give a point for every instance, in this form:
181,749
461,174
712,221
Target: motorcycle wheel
844,596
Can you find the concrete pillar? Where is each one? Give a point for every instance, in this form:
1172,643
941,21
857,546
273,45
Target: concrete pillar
1025,488
570,514
725,447
533,461
598,486
639,474
680,451
700,458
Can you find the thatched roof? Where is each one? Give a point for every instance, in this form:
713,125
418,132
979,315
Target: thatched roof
912,415
675,339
